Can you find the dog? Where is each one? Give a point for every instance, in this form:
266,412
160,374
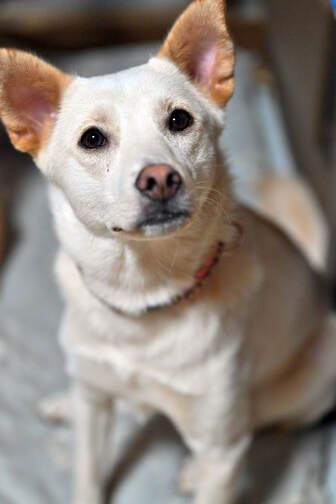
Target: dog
177,297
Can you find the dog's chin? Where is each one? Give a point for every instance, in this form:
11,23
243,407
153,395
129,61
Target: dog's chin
163,224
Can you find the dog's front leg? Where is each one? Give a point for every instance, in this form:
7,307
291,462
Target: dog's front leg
212,475
218,471
93,419
217,468
216,427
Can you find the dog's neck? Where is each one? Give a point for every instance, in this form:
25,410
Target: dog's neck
134,274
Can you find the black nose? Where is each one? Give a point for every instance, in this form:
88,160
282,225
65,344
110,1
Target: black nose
159,182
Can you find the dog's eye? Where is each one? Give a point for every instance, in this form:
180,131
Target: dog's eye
179,120
93,139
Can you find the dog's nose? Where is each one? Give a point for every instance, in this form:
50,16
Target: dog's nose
159,182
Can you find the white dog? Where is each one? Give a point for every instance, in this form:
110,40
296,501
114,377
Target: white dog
144,212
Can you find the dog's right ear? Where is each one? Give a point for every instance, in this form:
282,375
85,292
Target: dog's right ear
200,45
30,94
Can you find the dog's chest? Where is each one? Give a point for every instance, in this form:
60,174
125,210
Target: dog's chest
150,361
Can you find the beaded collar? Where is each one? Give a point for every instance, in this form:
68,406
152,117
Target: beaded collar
200,277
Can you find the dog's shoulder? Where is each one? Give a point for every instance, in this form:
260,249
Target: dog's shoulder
259,228
278,254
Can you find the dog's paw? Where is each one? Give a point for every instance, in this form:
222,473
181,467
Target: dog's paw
56,409
188,477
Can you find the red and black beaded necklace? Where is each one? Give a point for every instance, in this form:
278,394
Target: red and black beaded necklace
200,277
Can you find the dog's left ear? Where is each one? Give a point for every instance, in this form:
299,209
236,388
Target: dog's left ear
200,45
30,94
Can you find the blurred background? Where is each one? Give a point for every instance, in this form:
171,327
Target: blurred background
282,120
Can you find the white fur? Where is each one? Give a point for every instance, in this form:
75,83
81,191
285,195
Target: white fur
218,366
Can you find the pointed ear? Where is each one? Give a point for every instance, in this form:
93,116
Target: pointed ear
200,45
30,94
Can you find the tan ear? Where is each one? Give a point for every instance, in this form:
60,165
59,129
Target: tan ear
30,94
200,44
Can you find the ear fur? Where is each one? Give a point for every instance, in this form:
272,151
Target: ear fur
200,45
30,94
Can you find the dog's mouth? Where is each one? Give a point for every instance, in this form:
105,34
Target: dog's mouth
163,222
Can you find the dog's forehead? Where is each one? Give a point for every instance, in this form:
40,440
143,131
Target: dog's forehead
158,77
134,92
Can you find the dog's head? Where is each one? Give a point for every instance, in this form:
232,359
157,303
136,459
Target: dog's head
133,152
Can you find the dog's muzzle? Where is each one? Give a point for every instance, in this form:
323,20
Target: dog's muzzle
164,207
